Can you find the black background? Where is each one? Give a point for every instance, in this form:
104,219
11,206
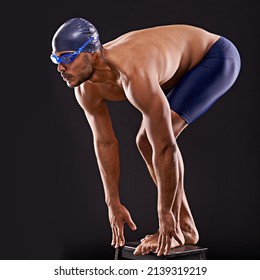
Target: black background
52,202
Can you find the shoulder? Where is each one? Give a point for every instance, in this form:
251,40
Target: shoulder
88,96
132,59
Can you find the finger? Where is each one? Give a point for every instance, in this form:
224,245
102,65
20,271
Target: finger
131,223
162,246
121,238
117,238
158,244
113,237
168,245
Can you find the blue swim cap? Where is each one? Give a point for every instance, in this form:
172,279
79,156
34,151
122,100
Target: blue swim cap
71,35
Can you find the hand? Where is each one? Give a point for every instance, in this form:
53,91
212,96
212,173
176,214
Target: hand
117,217
167,231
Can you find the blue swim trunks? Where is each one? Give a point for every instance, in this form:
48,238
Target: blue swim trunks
204,84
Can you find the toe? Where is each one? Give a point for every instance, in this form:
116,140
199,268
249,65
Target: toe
138,250
148,249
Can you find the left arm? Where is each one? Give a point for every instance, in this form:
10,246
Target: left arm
146,95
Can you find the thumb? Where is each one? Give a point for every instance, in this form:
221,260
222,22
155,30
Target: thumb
130,223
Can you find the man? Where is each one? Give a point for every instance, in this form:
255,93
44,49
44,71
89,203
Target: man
172,74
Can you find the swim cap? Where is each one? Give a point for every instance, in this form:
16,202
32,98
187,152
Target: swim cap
71,35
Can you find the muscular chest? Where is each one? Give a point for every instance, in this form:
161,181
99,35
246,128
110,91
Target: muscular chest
111,91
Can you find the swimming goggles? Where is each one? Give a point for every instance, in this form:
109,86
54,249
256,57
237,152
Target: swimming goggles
67,58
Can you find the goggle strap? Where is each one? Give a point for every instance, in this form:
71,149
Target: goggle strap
85,44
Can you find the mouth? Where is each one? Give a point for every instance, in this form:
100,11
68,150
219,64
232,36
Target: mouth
65,77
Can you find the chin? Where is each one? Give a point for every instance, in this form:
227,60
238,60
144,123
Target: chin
70,85
73,85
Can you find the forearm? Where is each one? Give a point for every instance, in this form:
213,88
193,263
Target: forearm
108,163
165,165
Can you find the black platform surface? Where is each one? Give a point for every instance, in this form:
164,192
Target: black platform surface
186,252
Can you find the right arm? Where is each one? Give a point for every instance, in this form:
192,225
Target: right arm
106,150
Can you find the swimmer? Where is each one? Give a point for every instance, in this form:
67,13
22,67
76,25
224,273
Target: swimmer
172,74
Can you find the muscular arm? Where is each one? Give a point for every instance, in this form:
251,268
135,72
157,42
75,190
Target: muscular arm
106,150
146,95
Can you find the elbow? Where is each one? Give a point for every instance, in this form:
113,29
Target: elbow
106,150
105,143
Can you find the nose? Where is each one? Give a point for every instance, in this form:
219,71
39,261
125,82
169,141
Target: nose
61,67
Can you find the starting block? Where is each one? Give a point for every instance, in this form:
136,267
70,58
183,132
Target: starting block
186,252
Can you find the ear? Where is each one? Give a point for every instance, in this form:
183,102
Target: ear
95,56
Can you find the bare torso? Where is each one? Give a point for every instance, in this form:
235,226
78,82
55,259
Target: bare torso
164,53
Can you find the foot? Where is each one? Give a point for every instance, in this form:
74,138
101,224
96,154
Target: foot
149,244
190,233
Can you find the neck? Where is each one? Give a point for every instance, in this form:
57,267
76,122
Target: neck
103,72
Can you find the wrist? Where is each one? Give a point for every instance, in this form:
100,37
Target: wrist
113,202
163,212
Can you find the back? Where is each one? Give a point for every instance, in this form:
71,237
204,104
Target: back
164,49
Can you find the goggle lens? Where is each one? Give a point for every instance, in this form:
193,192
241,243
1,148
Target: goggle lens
65,58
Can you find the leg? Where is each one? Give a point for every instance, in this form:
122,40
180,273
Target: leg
194,94
182,211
